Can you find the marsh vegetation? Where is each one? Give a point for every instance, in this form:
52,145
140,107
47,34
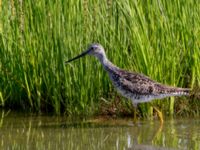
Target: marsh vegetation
157,38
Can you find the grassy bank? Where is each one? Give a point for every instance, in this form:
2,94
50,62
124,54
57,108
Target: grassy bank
159,39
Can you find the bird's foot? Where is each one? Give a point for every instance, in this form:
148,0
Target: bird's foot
134,116
160,115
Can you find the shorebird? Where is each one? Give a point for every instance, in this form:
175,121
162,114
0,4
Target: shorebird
134,86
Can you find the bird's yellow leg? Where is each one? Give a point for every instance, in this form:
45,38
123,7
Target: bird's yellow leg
160,115
135,113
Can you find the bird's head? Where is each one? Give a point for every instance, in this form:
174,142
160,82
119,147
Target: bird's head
94,49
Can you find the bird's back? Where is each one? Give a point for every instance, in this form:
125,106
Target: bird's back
140,88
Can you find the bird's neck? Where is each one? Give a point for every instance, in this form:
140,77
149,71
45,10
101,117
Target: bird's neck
107,64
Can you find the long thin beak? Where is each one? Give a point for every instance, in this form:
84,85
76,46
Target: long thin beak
77,57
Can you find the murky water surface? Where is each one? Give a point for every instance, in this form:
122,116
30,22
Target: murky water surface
19,131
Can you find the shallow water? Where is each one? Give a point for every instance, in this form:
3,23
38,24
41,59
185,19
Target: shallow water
18,131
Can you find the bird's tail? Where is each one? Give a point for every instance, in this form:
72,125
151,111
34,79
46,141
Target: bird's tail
193,93
182,91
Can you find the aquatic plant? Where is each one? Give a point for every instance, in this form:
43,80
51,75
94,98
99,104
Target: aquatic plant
156,38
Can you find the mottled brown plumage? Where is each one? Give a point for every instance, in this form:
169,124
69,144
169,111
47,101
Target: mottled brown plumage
140,88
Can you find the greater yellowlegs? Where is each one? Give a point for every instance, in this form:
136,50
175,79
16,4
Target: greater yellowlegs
134,86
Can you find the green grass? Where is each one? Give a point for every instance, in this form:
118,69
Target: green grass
157,38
